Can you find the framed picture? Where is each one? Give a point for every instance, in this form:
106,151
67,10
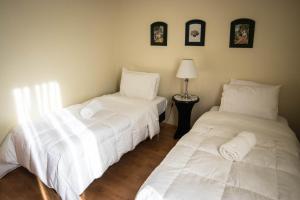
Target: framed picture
242,33
159,34
195,33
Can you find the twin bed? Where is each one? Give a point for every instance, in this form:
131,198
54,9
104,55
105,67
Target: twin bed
194,169
67,151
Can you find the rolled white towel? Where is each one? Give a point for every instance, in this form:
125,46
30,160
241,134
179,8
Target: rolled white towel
91,109
238,147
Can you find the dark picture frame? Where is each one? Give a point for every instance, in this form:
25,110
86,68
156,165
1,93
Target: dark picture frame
195,32
159,34
242,33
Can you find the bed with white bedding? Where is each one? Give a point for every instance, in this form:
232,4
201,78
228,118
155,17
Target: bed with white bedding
160,102
194,169
68,152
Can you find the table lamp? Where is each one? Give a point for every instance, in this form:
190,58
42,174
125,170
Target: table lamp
186,71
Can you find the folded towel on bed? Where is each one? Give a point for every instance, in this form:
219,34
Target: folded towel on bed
91,109
238,147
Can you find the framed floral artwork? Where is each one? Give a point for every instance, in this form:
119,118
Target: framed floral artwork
195,33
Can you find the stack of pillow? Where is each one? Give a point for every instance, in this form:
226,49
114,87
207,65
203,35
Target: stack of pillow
251,98
139,84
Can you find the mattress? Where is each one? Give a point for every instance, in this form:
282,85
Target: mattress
195,170
161,103
67,152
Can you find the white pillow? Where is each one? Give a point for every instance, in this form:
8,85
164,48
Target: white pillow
258,101
139,84
249,83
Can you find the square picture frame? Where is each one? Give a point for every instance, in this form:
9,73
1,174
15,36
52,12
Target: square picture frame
242,33
159,34
195,32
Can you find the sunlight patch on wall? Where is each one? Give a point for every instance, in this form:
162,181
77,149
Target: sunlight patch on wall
23,104
46,97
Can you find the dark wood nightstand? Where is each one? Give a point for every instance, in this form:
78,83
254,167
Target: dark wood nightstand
184,107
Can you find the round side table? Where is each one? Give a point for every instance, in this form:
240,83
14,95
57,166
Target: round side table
184,107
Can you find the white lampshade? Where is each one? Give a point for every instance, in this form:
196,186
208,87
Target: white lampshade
187,69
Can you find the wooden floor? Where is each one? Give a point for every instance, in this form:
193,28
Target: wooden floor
120,181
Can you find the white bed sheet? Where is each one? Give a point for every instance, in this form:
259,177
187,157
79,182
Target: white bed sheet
194,169
68,152
161,103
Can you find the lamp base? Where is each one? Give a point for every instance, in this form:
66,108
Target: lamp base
186,93
186,96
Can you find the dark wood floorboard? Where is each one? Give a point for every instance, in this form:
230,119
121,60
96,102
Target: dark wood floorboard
121,181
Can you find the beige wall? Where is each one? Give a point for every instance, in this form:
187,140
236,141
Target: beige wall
65,41
274,58
79,43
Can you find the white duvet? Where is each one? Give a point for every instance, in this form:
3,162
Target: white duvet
194,168
67,152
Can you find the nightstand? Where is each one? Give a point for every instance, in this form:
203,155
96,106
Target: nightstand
184,107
